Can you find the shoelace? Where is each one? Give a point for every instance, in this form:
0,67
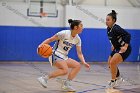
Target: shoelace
44,78
67,83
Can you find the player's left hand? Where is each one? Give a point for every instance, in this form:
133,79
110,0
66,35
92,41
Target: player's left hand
123,49
87,66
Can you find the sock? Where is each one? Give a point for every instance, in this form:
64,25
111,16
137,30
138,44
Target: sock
68,80
46,77
113,80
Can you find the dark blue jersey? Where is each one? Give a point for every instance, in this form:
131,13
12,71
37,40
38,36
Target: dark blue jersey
118,36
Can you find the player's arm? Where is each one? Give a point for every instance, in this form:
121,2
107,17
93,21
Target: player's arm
125,36
80,54
49,40
57,36
81,57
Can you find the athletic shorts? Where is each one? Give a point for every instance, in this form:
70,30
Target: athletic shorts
124,55
57,57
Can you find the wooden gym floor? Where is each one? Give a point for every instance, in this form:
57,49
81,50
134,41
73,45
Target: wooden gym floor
22,78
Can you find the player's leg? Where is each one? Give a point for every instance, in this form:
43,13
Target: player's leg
75,68
118,72
124,55
115,60
109,58
62,69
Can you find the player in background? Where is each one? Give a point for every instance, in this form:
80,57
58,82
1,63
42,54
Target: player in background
121,48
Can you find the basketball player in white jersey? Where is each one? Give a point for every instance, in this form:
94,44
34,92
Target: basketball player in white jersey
65,40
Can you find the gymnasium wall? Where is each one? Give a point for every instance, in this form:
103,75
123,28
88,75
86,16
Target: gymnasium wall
102,2
20,35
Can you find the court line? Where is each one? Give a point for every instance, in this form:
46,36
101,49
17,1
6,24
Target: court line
129,90
121,89
89,90
125,78
89,83
103,87
18,71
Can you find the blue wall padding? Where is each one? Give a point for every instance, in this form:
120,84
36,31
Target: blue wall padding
20,43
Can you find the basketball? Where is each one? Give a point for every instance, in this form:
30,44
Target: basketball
45,50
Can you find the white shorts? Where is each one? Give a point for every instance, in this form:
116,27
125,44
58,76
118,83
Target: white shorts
57,57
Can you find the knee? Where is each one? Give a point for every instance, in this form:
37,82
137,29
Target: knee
65,71
112,63
78,66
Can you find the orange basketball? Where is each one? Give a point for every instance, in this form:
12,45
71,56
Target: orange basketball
45,50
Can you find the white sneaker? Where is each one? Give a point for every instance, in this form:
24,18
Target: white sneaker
67,87
112,84
61,81
43,81
119,81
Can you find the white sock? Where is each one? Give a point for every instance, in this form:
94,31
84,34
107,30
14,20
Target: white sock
68,80
46,77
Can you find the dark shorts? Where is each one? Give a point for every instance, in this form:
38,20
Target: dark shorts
124,55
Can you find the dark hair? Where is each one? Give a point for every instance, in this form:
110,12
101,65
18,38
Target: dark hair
73,23
113,14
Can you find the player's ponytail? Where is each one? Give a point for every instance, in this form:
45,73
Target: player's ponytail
113,14
70,21
73,23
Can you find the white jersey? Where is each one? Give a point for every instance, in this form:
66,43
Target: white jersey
65,43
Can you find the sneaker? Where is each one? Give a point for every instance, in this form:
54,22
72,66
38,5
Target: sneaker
112,84
119,81
66,86
43,81
61,81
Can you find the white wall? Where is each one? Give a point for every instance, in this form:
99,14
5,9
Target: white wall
14,14
92,16
88,2
102,2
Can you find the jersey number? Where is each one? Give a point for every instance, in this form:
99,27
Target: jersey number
66,48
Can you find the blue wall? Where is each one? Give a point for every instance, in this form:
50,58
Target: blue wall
20,43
